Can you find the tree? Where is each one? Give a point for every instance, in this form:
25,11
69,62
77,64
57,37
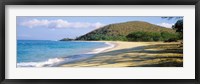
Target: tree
169,18
178,26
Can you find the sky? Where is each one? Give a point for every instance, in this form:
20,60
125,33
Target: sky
56,28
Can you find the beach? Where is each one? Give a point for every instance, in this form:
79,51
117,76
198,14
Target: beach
135,54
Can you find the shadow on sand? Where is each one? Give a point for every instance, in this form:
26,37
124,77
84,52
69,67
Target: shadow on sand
160,55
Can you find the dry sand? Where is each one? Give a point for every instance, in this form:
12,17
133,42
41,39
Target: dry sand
135,54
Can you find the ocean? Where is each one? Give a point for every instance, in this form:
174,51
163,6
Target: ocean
46,53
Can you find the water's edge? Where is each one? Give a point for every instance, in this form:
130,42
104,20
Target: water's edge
55,62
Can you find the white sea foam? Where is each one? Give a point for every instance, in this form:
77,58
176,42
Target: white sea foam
98,50
59,61
48,63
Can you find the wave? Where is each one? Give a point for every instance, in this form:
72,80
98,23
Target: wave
98,50
49,62
54,62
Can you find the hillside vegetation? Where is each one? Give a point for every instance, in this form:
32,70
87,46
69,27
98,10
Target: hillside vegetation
131,31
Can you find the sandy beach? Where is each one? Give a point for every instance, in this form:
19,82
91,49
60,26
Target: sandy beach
135,54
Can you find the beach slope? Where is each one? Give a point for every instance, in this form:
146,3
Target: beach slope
136,54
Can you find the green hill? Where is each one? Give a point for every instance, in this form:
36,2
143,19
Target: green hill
122,31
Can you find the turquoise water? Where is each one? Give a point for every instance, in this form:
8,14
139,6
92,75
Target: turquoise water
33,53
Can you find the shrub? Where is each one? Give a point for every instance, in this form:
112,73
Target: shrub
151,36
171,40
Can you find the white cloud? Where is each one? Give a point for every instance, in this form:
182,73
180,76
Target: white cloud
56,24
168,25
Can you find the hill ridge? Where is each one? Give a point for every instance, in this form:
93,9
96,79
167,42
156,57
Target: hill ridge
123,29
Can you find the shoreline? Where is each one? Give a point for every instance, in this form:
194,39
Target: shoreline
126,54
55,62
103,49
120,54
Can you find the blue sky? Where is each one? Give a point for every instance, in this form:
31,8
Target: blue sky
56,28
